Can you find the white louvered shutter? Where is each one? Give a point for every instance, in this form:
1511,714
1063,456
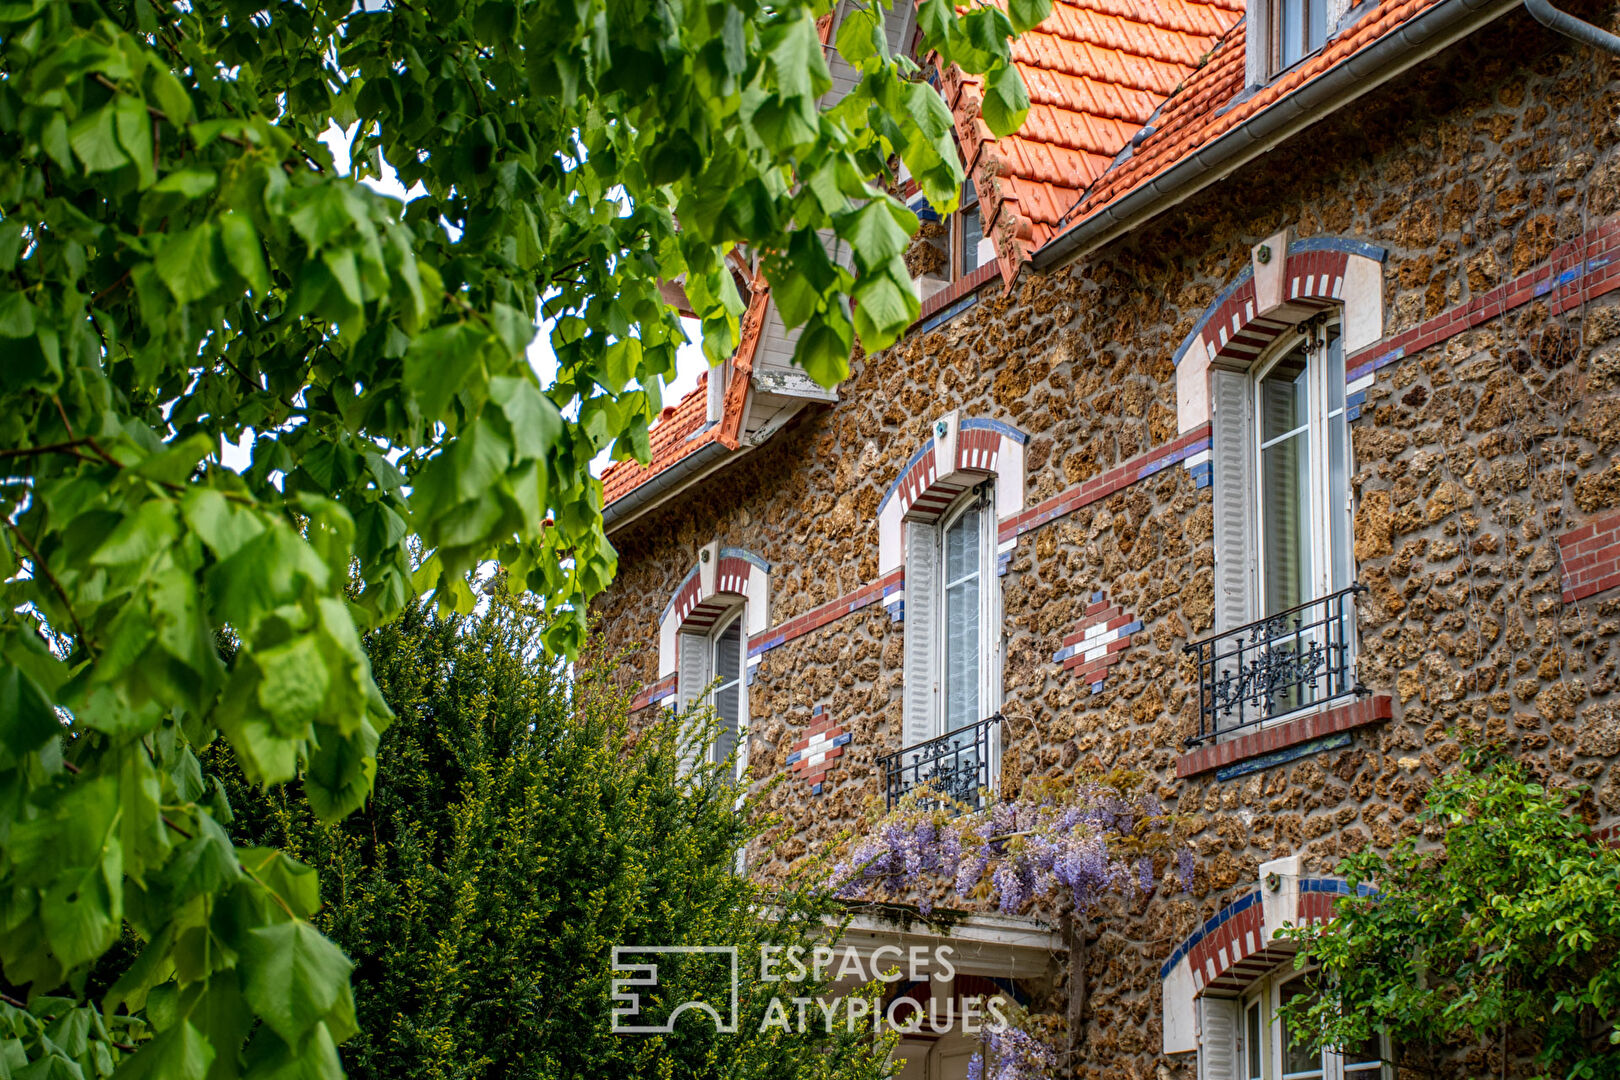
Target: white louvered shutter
689,686
1233,481
1218,1023
921,630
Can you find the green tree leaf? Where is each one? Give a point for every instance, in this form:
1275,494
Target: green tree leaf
292,977
189,274
180,1053
186,264
1027,14
94,139
27,720
1006,102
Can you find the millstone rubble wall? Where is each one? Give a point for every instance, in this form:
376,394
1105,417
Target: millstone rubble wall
1473,454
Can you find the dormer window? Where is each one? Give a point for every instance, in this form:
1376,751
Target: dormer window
1282,33
967,233
1299,28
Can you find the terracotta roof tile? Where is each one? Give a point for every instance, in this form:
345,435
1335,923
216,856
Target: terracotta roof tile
1096,70
681,430
674,435
1194,115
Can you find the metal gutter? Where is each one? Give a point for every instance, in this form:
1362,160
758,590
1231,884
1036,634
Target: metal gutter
1415,41
691,468
1564,23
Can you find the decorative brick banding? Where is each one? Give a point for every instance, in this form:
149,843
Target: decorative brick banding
959,289
654,693
1596,271
1590,557
1123,476
1302,729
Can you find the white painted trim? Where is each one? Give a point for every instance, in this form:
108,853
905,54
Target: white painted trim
1279,906
1192,387
891,552
1180,1022
1363,317
758,610
1361,302
759,602
1008,946
1006,466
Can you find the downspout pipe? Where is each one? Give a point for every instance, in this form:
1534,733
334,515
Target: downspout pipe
1571,27
1422,36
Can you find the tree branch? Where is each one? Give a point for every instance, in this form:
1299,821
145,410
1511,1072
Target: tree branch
45,572
71,448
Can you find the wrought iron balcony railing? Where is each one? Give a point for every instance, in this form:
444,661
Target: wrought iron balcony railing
1292,660
956,766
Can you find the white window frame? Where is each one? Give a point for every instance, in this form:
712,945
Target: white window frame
735,617
1265,994
960,249
1321,413
989,614
1324,503
690,684
1275,51
1264,20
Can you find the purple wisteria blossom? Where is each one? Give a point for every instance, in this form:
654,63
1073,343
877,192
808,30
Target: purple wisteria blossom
1012,1055
1090,840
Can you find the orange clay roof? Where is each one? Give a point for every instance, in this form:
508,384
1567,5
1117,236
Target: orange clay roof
1192,116
1096,70
679,430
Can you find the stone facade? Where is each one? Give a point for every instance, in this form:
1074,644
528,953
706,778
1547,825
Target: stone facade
1491,176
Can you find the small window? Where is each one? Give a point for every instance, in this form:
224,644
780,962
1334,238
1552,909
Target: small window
714,662
968,232
953,646
1299,28
1298,1062
966,595
1302,492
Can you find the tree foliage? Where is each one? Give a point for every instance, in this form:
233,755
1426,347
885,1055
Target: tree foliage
518,831
1509,929
184,264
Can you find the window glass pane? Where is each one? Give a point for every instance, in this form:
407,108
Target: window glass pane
1291,35
962,546
1285,396
962,655
1335,369
1338,485
1363,1061
962,543
1338,503
1318,25
972,232
1298,1061
1285,495
1251,1037
728,658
